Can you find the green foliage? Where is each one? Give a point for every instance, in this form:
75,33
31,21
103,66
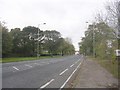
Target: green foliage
6,42
111,66
99,40
25,42
55,44
51,41
18,59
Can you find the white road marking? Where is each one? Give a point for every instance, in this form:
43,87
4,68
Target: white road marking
69,77
36,63
43,62
15,68
28,65
47,83
47,63
76,61
72,65
63,71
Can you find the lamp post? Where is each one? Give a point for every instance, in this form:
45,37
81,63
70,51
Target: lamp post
93,42
93,38
38,40
94,27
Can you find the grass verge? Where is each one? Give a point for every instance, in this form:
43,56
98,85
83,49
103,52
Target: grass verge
17,59
109,65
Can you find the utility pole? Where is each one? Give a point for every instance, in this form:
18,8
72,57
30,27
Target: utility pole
38,44
38,47
118,57
93,40
118,24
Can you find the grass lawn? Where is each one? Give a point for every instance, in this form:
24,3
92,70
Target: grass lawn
110,65
0,60
17,59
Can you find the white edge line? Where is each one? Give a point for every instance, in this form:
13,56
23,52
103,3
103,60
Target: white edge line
72,65
76,61
36,63
63,71
47,83
69,77
15,68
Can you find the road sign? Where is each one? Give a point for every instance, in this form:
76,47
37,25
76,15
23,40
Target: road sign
117,52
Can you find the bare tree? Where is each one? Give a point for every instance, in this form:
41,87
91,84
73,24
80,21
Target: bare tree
113,10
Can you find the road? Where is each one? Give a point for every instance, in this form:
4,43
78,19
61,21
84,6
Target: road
45,73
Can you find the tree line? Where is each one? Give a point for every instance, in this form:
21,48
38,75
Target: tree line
99,41
102,37
27,42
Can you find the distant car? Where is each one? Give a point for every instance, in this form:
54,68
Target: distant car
78,54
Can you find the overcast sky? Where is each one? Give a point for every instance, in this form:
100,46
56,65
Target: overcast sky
69,17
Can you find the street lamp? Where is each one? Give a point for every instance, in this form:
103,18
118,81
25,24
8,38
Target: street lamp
94,28
93,41
93,37
38,40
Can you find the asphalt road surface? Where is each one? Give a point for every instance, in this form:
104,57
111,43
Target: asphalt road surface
44,73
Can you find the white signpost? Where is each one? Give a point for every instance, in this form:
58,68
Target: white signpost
117,52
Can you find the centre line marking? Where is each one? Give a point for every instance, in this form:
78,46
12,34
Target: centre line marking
72,65
47,83
36,63
43,62
15,68
28,65
47,63
69,77
63,71
75,62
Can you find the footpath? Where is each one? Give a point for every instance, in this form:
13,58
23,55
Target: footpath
92,75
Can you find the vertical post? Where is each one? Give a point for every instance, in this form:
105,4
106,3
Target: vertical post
38,47
118,58
118,25
38,43
93,41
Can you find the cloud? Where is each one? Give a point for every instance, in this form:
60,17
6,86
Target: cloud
65,16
